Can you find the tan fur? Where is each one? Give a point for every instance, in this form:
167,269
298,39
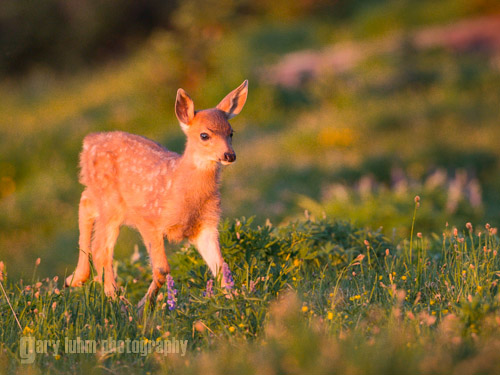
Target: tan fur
131,180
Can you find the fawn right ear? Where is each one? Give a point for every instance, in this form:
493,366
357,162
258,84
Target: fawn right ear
184,109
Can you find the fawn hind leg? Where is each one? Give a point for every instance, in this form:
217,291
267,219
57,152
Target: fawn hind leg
87,214
159,264
105,235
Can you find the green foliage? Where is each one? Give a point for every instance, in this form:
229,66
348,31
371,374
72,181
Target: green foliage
298,288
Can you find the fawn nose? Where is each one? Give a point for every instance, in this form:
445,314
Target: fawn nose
229,156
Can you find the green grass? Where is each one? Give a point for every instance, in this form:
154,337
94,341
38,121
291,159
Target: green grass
316,294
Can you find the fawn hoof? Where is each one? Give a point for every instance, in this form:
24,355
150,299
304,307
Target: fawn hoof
110,291
73,280
142,304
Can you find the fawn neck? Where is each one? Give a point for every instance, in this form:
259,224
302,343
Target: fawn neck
199,176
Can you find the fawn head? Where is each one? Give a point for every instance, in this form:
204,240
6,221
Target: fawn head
209,134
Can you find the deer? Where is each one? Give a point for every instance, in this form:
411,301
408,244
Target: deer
131,180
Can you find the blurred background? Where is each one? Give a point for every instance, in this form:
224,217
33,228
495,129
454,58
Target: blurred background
354,108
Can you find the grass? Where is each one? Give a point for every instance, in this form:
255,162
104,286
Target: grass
315,294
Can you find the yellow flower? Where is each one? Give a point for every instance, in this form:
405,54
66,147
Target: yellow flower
330,315
304,308
57,357
27,330
445,311
241,325
232,329
296,262
432,302
403,277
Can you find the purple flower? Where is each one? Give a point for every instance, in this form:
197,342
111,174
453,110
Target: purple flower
209,292
227,277
171,292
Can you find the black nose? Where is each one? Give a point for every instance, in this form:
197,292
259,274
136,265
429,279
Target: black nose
229,156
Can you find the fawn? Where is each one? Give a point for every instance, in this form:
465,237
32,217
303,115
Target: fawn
134,181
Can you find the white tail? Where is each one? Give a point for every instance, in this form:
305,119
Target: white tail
134,181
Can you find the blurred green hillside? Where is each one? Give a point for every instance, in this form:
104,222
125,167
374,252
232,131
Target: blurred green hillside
354,108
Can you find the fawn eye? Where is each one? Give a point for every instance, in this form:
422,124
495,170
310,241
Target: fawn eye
231,135
204,136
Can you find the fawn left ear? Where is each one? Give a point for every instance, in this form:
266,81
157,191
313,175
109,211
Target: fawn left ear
233,103
184,109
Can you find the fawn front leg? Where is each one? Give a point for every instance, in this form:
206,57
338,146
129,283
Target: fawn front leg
159,265
207,243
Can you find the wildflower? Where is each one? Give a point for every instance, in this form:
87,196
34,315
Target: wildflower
38,285
455,232
252,286
304,308
57,291
469,227
37,294
129,318
27,330
241,325
209,291
37,263
330,315
367,244
419,235
163,306
55,279
199,326
54,306
159,297
403,277
57,357
296,262
445,311
228,278
387,252
232,329
171,292
417,199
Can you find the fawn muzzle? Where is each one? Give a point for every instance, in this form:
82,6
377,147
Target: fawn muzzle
229,157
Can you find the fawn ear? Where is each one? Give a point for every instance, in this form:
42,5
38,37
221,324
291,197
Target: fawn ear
233,103
184,109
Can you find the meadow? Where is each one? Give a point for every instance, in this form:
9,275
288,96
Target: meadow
355,109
